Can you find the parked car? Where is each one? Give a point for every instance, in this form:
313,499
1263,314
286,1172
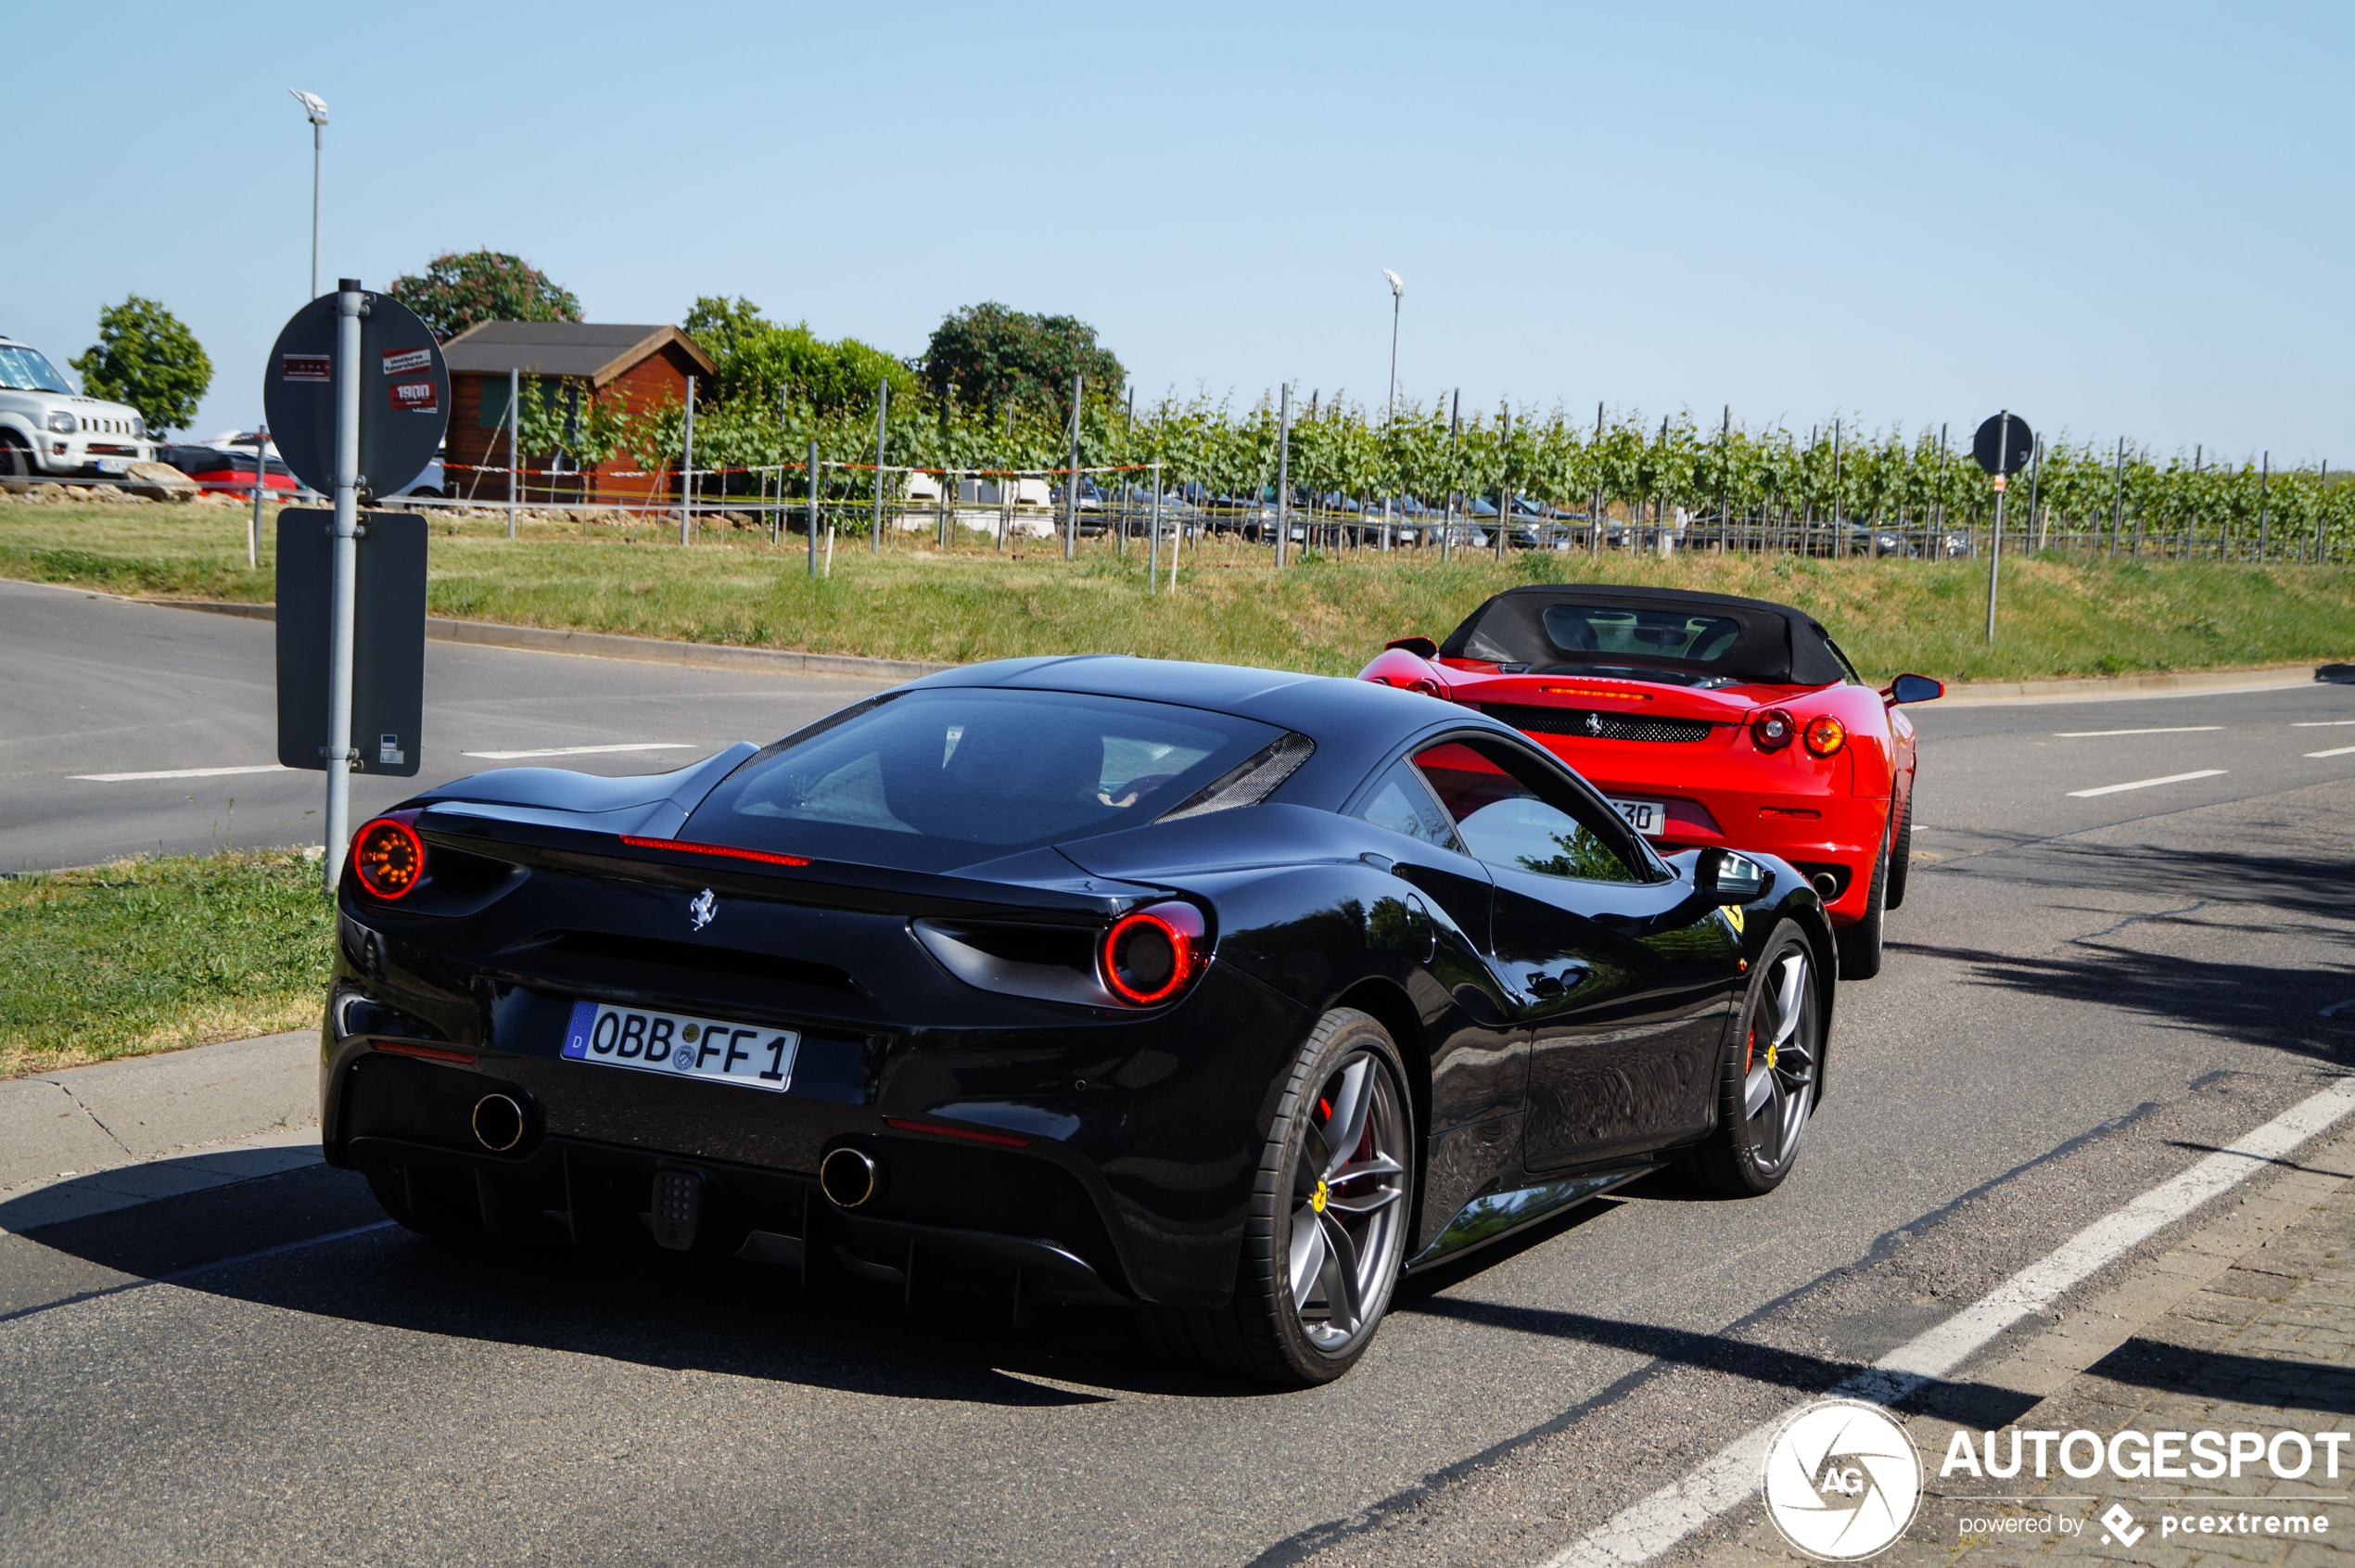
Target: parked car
220,468
429,484
1864,538
1091,495
1222,996
48,430
1709,721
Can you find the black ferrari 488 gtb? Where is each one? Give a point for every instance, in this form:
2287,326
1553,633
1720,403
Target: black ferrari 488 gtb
1223,995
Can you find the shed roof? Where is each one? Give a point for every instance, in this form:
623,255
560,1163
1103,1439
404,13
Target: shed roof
599,350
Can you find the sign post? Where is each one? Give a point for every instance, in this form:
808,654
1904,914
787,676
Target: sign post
2002,448
346,528
359,397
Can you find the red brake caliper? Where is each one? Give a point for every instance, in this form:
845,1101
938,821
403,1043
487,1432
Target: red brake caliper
1749,1052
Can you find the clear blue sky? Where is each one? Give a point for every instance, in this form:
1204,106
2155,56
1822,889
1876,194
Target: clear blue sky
2127,219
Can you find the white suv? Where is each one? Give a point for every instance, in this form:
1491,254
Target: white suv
49,430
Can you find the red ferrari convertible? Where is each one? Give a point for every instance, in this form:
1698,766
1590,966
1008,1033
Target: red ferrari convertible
1708,719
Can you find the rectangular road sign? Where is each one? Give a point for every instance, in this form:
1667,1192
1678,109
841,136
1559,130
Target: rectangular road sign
388,639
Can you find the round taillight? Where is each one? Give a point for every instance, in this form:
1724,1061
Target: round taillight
1151,955
1826,735
387,857
1772,730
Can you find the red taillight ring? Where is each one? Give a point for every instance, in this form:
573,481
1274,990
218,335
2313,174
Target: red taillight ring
1772,730
1177,925
1826,735
387,858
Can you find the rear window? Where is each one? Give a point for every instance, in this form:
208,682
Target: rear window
946,777
1594,630
1667,633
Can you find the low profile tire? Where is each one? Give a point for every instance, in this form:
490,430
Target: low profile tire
1326,1228
1900,855
1767,1091
1859,945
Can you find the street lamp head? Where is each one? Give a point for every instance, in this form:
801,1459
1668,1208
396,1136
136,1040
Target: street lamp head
1397,284
313,105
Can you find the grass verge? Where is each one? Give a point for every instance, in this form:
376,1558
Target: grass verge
2059,616
151,954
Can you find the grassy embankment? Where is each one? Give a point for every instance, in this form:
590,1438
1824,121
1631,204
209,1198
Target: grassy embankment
151,954
2059,616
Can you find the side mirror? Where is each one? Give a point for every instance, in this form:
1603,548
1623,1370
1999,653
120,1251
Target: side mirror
1422,648
1728,878
1915,688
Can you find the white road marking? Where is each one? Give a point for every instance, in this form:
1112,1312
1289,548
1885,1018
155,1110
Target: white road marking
2143,783
2321,723
189,1273
185,773
2334,751
582,750
179,1274
2172,730
1644,1530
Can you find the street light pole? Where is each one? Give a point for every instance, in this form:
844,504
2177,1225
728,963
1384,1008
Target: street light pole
1398,298
316,108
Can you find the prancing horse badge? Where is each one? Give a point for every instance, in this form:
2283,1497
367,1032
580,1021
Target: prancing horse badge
701,909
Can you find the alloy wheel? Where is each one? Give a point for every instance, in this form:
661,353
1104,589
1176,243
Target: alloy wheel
1348,1222
1777,1091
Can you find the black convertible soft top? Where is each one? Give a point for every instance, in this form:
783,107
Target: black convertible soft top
1730,638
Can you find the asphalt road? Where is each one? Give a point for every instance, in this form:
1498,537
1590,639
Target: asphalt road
98,685
2086,993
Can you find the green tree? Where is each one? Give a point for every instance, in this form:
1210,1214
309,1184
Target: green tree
767,364
459,291
995,356
146,358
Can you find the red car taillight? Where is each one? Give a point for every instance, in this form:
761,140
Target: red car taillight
1772,730
1826,735
1151,954
387,857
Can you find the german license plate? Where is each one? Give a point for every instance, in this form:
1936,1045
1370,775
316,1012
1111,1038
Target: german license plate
114,466
1647,817
713,1048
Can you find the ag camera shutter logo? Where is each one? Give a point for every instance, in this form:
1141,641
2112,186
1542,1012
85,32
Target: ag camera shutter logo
1843,1481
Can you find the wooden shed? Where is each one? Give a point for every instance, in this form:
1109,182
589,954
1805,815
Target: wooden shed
581,361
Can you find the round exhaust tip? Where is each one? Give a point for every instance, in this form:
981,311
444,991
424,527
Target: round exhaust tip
1826,885
848,1177
498,1123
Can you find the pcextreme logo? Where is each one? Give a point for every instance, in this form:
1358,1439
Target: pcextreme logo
1842,1481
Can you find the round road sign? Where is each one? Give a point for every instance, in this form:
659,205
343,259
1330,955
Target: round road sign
404,394
2001,453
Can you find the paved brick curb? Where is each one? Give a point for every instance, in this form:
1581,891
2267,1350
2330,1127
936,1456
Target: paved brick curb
2247,1325
1972,693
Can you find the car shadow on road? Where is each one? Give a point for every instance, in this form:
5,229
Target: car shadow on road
2302,876
2254,1004
258,1242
